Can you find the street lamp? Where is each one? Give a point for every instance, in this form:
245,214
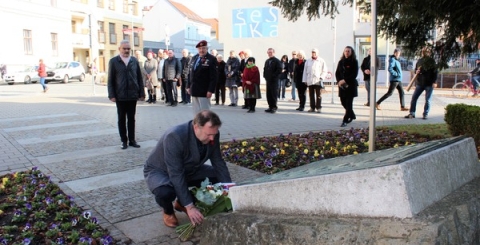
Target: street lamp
167,35
132,4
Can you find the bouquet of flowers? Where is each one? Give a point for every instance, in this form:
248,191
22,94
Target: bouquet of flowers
211,199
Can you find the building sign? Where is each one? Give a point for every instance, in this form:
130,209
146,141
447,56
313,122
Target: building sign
255,22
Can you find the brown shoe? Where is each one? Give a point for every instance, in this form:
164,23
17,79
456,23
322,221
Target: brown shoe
404,109
170,220
179,207
377,106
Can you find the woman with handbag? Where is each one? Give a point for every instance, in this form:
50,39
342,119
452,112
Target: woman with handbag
346,75
251,83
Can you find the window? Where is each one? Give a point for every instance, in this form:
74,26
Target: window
136,39
125,6
111,32
126,36
111,4
54,37
100,3
101,32
27,41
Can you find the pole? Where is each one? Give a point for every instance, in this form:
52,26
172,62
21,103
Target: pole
133,31
91,50
373,80
334,27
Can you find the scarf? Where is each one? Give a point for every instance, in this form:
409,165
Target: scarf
300,61
250,66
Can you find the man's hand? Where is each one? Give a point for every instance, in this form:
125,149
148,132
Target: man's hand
194,214
341,83
209,95
367,71
434,85
188,90
113,100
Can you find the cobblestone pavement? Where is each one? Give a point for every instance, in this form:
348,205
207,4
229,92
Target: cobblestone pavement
71,134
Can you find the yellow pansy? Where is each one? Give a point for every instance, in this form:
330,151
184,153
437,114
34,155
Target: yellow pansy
355,153
226,146
395,146
327,142
242,150
15,175
1,212
252,148
244,143
282,152
406,143
4,181
286,145
1,186
300,145
335,151
305,151
262,148
316,154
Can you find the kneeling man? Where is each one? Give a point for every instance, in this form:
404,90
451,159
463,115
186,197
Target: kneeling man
178,161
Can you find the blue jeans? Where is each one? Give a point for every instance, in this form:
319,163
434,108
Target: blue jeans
428,98
281,88
42,82
293,90
367,87
476,82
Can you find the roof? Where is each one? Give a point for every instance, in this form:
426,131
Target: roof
213,22
187,12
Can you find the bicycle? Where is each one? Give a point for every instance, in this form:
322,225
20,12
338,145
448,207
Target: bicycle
463,89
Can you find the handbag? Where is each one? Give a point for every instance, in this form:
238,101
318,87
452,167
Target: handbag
288,84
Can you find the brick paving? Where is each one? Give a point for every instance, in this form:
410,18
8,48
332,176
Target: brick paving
56,131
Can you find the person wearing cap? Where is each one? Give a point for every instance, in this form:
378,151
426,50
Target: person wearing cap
314,73
427,73
125,87
395,78
179,161
346,76
271,71
150,67
251,83
203,77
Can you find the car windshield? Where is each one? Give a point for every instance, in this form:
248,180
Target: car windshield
61,65
30,68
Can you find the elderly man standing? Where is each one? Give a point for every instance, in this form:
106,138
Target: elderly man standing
171,75
185,69
314,73
203,78
125,87
178,161
271,71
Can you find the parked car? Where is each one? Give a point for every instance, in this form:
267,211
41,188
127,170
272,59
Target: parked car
65,71
28,75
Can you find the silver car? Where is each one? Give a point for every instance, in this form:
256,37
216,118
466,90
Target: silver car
65,71
28,75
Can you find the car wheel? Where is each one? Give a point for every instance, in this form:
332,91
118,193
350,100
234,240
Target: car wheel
65,79
82,77
11,83
27,80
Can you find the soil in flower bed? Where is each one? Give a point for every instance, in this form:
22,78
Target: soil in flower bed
33,210
275,154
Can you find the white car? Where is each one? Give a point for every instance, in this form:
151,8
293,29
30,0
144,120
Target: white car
65,71
28,75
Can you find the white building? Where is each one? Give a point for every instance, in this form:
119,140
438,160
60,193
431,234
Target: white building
257,25
184,27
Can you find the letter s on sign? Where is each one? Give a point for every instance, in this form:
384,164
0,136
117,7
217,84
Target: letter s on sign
273,14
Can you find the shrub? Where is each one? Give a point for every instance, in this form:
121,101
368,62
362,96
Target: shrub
464,119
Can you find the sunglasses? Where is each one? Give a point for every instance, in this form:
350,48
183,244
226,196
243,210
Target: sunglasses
126,48
294,54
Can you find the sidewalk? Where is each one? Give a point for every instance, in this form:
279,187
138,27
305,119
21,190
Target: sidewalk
72,136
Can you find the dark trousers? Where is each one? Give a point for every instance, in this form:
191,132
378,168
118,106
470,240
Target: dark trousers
165,195
164,88
252,103
245,101
272,88
315,97
220,91
394,85
347,103
183,92
126,111
302,90
171,91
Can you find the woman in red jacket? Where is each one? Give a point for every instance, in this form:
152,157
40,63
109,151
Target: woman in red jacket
251,84
42,73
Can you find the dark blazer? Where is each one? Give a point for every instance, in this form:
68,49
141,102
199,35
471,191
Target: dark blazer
347,69
125,82
176,159
272,69
203,78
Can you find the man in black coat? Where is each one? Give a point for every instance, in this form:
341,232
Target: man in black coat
185,69
203,78
271,71
125,87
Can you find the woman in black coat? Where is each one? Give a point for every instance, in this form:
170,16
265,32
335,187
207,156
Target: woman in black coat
297,78
346,75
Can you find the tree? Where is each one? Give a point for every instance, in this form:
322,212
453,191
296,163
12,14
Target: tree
410,23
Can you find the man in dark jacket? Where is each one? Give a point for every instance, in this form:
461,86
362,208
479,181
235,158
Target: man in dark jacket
271,71
178,161
125,87
426,70
203,78
292,63
366,75
172,70
185,69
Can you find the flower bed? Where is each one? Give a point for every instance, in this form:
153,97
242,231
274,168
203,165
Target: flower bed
33,210
274,154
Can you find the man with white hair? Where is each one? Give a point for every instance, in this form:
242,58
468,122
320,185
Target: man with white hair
185,69
314,73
